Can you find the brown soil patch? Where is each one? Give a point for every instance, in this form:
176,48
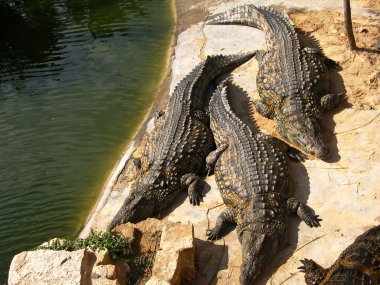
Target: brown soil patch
359,77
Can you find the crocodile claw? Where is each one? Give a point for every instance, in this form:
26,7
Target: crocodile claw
313,221
212,234
195,199
306,214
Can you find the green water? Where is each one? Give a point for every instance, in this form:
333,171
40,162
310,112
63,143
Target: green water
76,79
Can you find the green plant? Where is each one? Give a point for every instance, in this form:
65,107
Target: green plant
119,248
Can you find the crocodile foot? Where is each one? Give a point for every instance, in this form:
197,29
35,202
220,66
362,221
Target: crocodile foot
263,109
213,234
306,214
194,191
194,197
329,101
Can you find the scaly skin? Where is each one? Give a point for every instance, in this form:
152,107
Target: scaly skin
253,177
359,264
175,151
291,81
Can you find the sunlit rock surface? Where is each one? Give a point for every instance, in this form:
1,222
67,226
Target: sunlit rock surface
69,268
175,260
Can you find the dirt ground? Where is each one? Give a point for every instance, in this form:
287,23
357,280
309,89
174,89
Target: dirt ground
360,68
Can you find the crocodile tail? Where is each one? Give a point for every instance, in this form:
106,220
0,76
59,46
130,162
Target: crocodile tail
217,65
263,18
220,109
213,67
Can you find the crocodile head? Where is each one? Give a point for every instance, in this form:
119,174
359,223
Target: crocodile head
305,133
258,251
147,197
299,122
314,273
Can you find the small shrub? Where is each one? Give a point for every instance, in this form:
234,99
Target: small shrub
119,248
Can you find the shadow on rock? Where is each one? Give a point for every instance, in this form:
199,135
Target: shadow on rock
211,259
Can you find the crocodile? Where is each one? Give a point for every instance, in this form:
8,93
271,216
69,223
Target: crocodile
252,174
359,264
292,81
174,153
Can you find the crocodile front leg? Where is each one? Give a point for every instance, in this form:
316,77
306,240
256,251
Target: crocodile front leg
191,182
329,101
263,109
213,157
224,218
304,212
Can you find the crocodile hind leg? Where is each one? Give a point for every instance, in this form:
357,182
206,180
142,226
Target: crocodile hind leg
330,101
213,157
226,217
304,212
191,182
263,109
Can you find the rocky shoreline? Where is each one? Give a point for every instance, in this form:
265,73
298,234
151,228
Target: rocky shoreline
344,190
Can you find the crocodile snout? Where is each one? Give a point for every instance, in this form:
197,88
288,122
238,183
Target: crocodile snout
322,152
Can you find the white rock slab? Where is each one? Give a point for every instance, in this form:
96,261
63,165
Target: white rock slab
47,267
175,260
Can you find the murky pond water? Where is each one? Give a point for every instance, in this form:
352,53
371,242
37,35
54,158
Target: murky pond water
76,79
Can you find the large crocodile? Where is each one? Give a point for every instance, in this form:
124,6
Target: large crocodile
253,177
175,151
291,81
359,264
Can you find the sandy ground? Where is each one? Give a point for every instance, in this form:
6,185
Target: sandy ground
360,68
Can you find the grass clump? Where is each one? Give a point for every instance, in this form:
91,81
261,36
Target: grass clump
119,248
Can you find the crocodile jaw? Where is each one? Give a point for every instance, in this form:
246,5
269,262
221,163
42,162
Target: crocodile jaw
258,250
135,209
305,134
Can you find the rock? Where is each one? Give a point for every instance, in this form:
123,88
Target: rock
53,241
48,267
62,267
102,257
104,271
105,282
145,233
175,260
126,230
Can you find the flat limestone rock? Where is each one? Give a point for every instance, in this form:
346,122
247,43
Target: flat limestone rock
47,267
62,267
175,259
